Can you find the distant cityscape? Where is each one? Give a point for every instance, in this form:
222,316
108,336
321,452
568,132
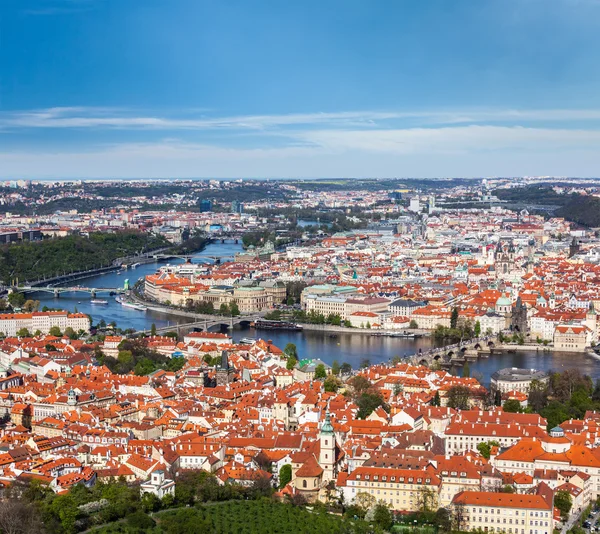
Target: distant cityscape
251,275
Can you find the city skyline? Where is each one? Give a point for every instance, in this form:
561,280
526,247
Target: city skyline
105,89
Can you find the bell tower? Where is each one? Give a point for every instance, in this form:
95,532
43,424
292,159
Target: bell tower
327,450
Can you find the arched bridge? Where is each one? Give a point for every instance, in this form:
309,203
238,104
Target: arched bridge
188,257
204,325
93,291
455,354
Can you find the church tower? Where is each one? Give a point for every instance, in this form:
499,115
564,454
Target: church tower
224,372
504,259
327,450
591,321
71,397
573,247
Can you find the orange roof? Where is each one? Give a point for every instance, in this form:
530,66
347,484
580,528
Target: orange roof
501,500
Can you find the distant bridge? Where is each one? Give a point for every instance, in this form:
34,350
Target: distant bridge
455,354
188,257
93,291
204,325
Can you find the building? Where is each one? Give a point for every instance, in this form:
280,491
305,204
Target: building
405,307
400,489
515,379
305,369
158,485
11,323
519,317
571,337
224,371
205,205
237,207
504,259
511,513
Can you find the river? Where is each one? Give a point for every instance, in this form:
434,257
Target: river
113,311
350,348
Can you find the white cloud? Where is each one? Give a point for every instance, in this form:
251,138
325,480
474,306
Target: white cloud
462,139
420,152
103,118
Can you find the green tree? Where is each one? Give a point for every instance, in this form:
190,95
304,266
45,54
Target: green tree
224,309
291,363
150,503
55,331
345,369
458,397
564,502
70,333
144,367
153,329
285,475
477,329
335,368
291,351
382,517
23,332
140,522
31,305
320,372
443,519
512,406
454,318
16,299
485,448
332,384
234,309
413,324
367,403
436,401
290,301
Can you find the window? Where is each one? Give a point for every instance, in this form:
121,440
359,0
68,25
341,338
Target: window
304,485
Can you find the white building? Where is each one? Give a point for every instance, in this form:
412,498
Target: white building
11,323
158,485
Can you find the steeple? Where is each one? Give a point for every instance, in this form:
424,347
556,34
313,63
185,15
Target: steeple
327,449
71,397
327,427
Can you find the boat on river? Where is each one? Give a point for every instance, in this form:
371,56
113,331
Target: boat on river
265,324
99,301
131,305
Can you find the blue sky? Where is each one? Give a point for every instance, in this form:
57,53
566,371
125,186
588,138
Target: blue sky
271,88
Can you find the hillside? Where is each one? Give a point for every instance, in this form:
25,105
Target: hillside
39,259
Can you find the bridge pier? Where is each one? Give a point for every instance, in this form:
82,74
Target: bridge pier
93,293
56,293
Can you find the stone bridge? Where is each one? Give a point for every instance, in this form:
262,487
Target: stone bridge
455,354
205,325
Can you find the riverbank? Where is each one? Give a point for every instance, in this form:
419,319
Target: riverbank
363,331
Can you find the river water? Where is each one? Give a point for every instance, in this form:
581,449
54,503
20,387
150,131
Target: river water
350,348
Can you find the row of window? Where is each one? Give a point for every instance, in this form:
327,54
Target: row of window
508,512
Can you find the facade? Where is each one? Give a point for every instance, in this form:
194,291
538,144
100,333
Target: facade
158,485
400,489
515,379
511,513
11,323
405,307
571,337
504,260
